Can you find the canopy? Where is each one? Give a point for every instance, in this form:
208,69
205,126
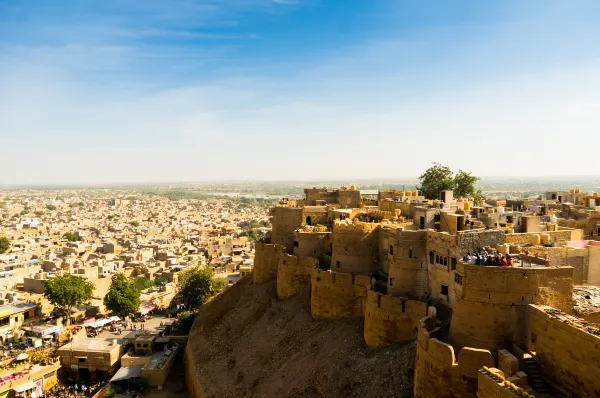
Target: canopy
146,307
23,356
127,372
99,323
25,386
114,318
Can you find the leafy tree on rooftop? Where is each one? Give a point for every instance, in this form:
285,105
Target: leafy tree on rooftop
134,223
464,184
68,291
439,178
436,179
51,207
71,237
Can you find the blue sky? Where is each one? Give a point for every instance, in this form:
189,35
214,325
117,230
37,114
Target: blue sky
190,90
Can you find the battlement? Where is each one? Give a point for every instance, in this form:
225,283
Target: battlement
338,295
355,225
442,238
293,274
491,383
390,319
438,373
266,261
324,278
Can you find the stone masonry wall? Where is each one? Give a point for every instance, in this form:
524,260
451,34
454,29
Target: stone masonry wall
355,248
391,320
568,353
438,373
266,260
338,295
294,274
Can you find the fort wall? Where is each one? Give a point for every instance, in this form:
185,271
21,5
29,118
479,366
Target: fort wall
355,247
568,353
490,304
207,316
338,295
312,244
294,274
408,270
284,221
391,320
437,371
266,261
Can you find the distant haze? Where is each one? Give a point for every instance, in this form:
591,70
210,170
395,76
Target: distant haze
143,91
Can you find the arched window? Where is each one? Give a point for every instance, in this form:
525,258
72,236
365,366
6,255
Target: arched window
391,250
308,220
409,251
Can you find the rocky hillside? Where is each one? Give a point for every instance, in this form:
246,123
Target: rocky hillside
264,347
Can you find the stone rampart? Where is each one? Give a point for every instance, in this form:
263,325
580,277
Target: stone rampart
207,316
490,306
294,274
355,247
391,320
285,220
568,350
338,295
266,260
437,371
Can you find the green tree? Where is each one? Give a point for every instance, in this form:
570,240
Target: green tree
134,223
71,237
110,217
24,211
4,245
161,281
464,184
142,283
197,285
68,291
122,297
184,322
51,207
436,179
251,234
478,198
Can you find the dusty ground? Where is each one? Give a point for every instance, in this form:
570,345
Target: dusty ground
271,348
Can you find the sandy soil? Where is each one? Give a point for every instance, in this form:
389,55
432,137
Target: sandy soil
267,347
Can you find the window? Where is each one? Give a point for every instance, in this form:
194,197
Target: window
446,261
391,282
391,250
81,360
453,263
295,243
4,321
437,259
458,279
409,251
431,255
444,290
145,346
337,264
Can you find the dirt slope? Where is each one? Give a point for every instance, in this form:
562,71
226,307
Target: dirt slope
265,347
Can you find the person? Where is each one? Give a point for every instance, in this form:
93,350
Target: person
134,327
508,260
477,259
503,263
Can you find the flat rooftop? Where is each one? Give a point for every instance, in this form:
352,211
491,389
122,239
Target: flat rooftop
91,345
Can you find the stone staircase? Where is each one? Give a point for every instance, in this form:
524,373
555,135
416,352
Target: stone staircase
531,366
